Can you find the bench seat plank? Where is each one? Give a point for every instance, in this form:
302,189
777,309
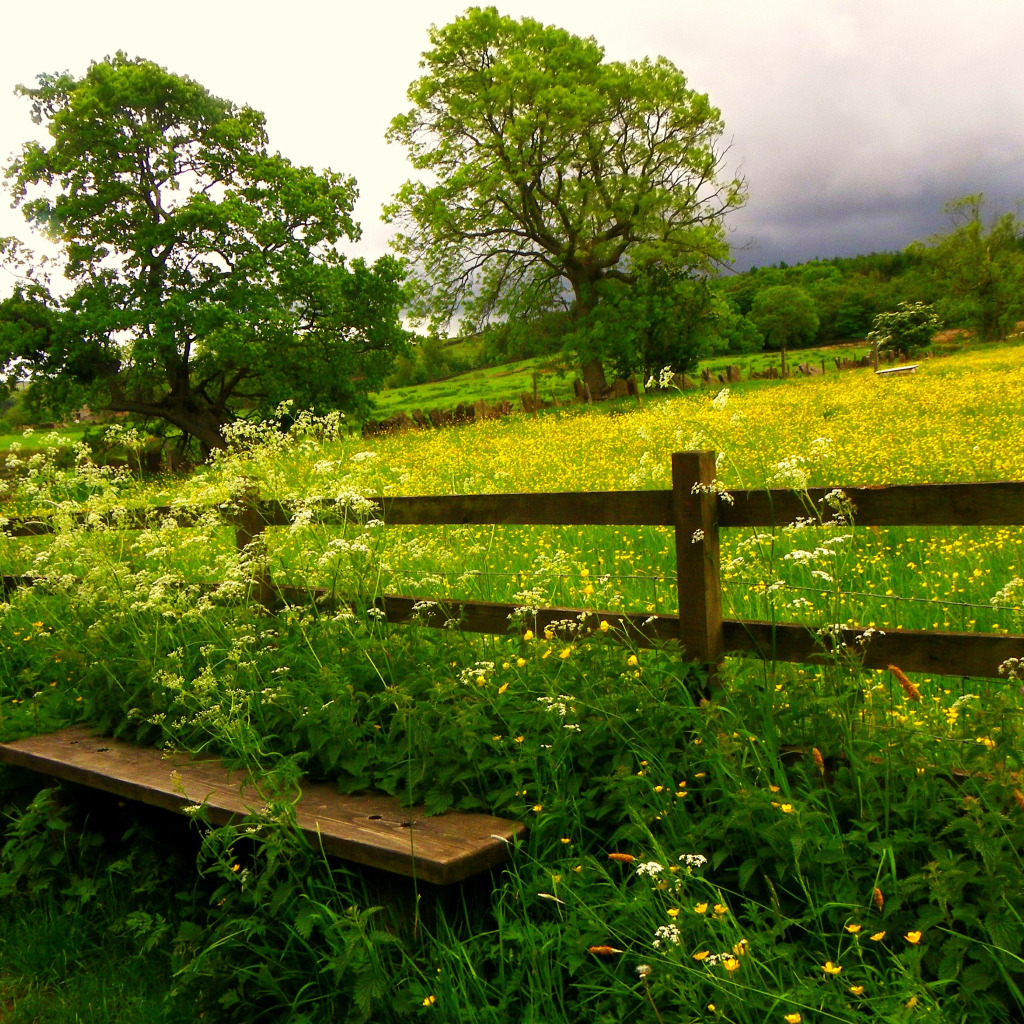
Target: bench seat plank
373,829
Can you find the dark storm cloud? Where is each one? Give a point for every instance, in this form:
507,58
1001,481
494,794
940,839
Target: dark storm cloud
854,123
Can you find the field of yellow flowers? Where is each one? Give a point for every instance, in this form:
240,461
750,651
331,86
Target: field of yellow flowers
956,419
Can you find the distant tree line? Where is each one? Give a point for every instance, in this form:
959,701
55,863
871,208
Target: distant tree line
973,276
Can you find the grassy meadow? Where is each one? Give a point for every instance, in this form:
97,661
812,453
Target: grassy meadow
555,375
814,844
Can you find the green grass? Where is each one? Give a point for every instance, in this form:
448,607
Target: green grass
556,375
494,384
28,437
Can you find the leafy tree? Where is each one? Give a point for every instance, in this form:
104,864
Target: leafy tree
552,172
665,317
980,272
785,315
203,278
854,314
910,328
737,331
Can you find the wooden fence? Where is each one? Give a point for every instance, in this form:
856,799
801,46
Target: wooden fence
697,513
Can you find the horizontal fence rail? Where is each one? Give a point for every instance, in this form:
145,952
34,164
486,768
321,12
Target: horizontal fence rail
696,510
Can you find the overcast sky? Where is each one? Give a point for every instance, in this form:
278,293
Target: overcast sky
853,121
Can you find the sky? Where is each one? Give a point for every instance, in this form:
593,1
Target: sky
852,121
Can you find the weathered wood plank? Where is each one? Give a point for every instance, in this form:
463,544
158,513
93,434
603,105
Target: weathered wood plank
973,504
568,508
949,654
970,504
956,654
374,830
697,555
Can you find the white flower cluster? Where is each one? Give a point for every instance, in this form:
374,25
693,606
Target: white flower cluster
560,705
693,860
1013,669
715,487
477,674
963,701
663,380
666,933
650,868
1009,594
865,638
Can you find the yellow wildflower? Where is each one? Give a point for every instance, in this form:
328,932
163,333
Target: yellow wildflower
913,938
830,968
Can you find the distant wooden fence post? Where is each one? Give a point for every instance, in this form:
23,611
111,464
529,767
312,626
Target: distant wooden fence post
695,512
249,524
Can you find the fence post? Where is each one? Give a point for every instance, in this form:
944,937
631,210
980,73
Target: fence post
250,524
695,511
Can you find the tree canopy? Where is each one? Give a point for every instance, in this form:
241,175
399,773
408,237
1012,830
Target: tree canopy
203,277
552,172
979,269
785,315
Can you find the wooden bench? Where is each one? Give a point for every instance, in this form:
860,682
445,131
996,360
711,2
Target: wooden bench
890,371
373,830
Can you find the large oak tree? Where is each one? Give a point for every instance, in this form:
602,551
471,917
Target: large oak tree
551,171
202,274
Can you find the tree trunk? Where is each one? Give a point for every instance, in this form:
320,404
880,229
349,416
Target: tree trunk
592,370
594,378
202,424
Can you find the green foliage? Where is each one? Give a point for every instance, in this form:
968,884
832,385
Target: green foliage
204,271
785,315
552,170
738,332
909,329
665,317
429,360
979,271
527,337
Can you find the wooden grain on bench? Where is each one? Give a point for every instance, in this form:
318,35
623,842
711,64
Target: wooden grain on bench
374,830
